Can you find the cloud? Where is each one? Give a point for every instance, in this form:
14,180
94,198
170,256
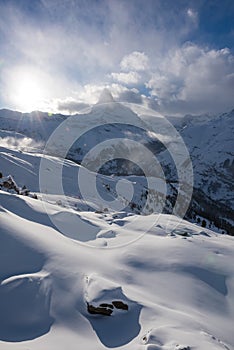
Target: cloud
66,54
192,79
127,78
189,79
18,142
131,96
193,15
91,94
74,49
134,70
70,106
137,61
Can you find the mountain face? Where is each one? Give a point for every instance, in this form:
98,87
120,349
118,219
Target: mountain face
210,143
82,264
111,138
211,147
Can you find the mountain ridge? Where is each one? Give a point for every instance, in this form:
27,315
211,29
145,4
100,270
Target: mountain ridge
209,143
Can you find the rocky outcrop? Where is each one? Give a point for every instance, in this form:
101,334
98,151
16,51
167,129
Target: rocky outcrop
8,183
120,305
106,309
99,310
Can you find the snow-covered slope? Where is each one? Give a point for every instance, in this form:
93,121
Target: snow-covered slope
132,194
211,147
209,141
169,285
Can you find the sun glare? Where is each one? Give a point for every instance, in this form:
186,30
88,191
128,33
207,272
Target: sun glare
29,95
27,88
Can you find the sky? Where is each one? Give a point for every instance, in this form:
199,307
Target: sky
176,57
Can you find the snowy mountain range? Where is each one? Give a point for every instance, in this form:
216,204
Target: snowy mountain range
98,261
209,141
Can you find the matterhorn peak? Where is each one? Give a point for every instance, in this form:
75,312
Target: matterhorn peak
105,97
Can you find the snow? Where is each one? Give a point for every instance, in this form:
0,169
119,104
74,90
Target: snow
61,254
210,142
176,278
209,139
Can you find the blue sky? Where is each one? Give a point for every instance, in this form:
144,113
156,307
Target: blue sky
175,56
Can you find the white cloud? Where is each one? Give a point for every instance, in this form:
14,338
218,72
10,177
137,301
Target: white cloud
70,105
189,79
74,56
137,61
127,78
193,15
192,79
90,94
131,96
18,142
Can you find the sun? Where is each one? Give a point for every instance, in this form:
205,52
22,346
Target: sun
28,89
29,95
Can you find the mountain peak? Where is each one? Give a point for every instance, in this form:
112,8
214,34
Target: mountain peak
105,97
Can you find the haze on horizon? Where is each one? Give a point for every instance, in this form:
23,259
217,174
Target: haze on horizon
176,57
